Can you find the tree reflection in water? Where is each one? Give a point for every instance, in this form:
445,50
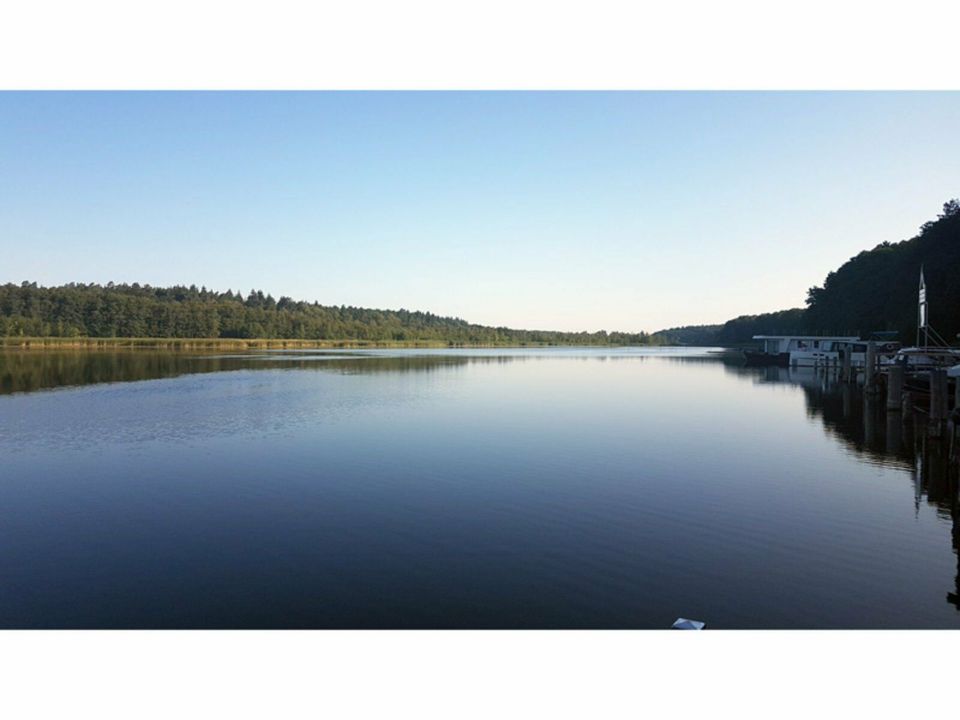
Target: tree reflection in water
861,423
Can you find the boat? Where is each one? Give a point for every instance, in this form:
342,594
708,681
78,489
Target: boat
801,350
933,352
766,356
923,359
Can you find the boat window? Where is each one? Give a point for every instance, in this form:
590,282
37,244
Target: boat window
773,346
816,343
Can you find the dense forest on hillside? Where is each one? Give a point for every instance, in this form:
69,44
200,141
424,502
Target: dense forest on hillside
689,335
743,328
75,310
737,331
876,290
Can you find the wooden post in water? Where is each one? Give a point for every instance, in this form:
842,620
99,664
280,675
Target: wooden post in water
944,394
894,387
906,405
938,396
869,418
847,373
894,431
907,417
934,381
870,367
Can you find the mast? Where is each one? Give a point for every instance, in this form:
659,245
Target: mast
922,318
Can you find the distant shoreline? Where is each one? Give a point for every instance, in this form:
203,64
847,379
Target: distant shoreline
95,343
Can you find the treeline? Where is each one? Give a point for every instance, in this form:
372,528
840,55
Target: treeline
690,335
877,289
142,311
743,328
874,291
739,330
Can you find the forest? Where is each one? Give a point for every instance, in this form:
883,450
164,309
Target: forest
873,291
142,311
876,290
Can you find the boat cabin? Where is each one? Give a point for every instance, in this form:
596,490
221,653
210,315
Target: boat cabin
776,344
924,358
801,350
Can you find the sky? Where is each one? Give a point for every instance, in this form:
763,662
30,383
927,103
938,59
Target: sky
544,210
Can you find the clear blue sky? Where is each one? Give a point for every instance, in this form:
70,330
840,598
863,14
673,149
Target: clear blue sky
574,211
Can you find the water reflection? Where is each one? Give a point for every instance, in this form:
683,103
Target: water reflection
860,422
25,371
468,479
29,371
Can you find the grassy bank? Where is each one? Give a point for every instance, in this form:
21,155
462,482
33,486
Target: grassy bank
93,343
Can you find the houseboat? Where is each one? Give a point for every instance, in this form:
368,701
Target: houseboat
803,350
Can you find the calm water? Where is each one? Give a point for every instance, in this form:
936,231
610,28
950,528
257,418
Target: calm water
467,489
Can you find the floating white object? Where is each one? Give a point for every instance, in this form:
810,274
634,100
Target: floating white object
684,624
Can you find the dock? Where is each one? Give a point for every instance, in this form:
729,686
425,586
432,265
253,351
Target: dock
928,400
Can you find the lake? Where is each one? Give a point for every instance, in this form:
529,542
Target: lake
516,488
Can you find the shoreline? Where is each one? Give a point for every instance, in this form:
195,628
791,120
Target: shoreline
93,343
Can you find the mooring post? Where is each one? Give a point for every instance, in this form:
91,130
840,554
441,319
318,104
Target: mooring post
934,381
894,432
906,405
945,382
869,419
938,394
944,394
894,387
847,352
870,368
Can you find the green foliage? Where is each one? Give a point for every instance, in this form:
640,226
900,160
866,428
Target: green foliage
737,331
742,329
877,289
131,311
698,335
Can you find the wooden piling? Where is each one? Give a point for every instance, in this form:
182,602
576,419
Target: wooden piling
934,381
894,432
870,368
938,395
846,373
894,387
869,418
944,394
906,405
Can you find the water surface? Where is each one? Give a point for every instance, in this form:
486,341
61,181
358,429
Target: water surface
556,488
